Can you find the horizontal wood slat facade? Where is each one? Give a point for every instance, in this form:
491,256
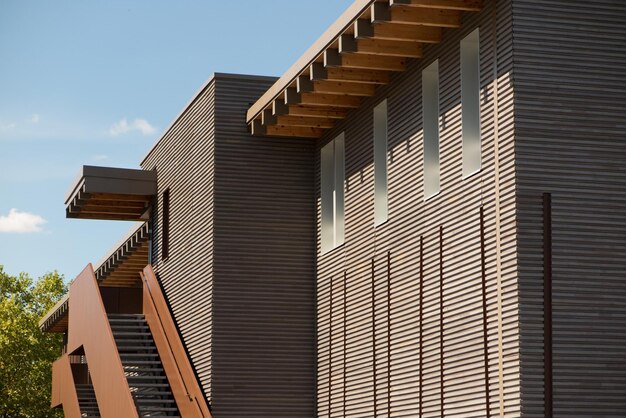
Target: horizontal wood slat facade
240,275
435,333
570,99
188,146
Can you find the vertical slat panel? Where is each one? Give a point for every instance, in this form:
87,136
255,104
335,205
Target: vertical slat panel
478,337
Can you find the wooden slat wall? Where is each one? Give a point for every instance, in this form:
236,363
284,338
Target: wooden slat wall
360,376
570,61
184,159
383,381
240,276
264,243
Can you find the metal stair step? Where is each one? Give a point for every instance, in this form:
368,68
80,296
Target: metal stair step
149,385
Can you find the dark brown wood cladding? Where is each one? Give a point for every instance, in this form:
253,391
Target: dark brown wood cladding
431,337
570,101
264,265
184,160
240,272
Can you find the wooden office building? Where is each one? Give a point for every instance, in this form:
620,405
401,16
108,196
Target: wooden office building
423,217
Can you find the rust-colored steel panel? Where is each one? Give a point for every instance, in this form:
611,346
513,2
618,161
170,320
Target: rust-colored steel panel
89,329
185,388
63,388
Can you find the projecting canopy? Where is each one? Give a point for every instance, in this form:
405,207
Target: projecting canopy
111,193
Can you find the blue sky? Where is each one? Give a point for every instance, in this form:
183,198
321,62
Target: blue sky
94,82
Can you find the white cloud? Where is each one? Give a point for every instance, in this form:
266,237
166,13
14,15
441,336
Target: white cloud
34,119
21,222
100,157
123,127
8,126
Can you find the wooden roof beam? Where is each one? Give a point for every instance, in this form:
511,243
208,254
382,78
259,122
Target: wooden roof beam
294,131
385,47
344,88
382,13
397,32
292,97
332,58
317,111
319,72
306,85
462,5
306,121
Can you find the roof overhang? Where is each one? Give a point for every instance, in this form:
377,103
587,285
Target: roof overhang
371,40
111,193
56,319
119,268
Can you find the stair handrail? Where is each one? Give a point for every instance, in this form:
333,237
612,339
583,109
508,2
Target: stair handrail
89,329
185,387
64,389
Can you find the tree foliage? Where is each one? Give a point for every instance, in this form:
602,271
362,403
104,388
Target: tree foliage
26,354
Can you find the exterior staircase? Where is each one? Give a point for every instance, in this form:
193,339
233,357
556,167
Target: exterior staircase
142,366
87,401
137,365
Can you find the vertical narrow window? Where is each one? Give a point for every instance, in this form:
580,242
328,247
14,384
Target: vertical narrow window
380,163
165,234
470,103
332,161
430,114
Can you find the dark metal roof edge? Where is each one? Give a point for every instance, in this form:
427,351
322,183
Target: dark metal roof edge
119,173
214,76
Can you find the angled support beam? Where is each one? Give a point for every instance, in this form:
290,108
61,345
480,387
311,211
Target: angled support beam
462,5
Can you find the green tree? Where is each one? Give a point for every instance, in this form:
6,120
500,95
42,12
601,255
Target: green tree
26,354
